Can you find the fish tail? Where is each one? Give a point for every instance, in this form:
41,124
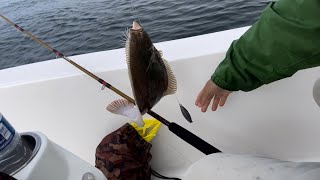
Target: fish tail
125,108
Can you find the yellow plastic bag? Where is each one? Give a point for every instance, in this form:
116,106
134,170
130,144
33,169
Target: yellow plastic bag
149,130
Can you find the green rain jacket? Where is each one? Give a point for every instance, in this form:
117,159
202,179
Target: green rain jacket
283,41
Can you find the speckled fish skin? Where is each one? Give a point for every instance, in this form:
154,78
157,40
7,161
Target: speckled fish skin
147,71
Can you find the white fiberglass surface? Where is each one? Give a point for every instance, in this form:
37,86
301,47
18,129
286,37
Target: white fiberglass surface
280,120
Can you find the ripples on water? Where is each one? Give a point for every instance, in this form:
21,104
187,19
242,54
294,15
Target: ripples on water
77,27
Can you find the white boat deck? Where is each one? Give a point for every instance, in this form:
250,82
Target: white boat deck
280,120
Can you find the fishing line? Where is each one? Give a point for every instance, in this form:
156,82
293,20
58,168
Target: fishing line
156,174
135,12
181,132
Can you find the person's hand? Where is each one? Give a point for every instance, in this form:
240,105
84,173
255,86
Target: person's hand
209,91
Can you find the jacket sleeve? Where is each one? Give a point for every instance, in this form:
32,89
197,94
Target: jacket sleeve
284,40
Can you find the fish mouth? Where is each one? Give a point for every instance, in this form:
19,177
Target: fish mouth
136,30
136,26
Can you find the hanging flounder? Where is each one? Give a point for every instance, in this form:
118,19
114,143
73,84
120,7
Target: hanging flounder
150,75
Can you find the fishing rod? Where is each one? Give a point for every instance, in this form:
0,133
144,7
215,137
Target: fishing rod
181,132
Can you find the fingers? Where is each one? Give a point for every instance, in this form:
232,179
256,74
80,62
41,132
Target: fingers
209,91
223,100
199,101
203,100
205,106
203,95
215,103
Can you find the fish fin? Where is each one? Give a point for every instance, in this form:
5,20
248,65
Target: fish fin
172,81
127,51
155,65
125,108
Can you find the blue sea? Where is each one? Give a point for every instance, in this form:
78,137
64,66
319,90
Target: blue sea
83,26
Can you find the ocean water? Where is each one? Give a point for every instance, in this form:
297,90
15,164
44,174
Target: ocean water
83,26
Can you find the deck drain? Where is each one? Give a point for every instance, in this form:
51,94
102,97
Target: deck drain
88,176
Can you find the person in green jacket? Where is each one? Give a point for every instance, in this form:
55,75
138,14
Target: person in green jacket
283,41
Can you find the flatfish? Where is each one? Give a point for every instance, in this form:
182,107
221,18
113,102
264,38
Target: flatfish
150,76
